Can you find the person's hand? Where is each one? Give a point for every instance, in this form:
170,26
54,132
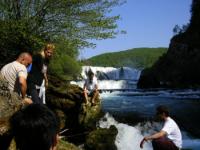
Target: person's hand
27,101
142,142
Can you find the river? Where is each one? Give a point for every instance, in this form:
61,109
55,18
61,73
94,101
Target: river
132,110
134,113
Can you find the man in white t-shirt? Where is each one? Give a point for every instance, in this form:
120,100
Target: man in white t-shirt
15,73
91,88
169,138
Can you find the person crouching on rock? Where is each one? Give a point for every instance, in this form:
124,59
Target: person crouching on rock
91,88
169,138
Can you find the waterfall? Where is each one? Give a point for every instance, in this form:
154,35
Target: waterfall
111,73
112,78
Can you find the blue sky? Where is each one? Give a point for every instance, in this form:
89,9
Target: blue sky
148,23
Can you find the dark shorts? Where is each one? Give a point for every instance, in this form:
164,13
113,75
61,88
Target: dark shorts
91,93
164,144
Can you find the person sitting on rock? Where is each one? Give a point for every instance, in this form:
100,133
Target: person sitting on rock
169,138
15,73
35,127
91,88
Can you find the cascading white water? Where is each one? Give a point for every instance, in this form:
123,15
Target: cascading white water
128,137
111,73
110,84
112,78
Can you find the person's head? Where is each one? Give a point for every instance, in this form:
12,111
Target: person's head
35,127
48,50
90,74
162,112
25,59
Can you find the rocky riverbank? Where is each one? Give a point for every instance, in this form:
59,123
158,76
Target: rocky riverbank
67,102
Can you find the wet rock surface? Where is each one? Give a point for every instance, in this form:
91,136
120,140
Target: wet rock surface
102,139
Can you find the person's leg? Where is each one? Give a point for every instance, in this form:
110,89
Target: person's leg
85,96
35,96
94,96
163,144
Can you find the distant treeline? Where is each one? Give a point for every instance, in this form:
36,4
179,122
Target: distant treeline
137,57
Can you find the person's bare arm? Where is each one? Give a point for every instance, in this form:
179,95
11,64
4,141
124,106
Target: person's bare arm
84,86
151,137
46,80
23,86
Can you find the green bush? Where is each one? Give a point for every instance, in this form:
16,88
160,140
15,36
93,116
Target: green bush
64,67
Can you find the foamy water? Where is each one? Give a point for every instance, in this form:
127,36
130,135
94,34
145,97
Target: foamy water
129,137
126,99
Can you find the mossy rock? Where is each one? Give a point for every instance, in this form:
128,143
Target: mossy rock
102,139
10,102
62,145
63,89
61,103
90,115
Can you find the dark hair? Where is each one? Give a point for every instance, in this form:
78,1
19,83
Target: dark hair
162,109
34,127
90,73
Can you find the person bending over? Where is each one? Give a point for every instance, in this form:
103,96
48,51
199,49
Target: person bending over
35,127
15,73
169,138
37,78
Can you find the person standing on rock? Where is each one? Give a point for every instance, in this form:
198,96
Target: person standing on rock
15,73
169,138
37,78
90,88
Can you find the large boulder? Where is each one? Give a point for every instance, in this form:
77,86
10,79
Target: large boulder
102,139
64,99
10,102
67,101
62,145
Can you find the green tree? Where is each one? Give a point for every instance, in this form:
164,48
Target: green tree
71,24
76,20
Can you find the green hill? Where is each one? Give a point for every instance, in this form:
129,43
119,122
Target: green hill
137,57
